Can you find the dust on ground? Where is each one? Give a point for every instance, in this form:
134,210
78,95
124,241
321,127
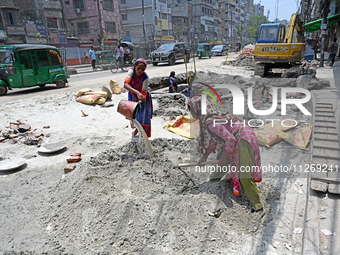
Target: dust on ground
119,201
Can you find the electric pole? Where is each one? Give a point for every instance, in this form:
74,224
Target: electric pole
161,23
324,30
143,18
100,24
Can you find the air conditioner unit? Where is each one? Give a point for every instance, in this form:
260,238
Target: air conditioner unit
77,10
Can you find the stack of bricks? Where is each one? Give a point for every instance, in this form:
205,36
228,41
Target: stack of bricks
75,157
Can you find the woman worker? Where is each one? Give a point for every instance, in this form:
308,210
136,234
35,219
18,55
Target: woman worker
137,82
236,146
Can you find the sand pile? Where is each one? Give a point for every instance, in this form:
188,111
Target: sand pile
170,104
122,202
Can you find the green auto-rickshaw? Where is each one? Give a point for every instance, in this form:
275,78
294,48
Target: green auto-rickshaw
28,65
203,50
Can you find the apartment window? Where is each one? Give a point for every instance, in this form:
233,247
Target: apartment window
52,23
124,17
123,2
83,27
164,32
79,4
108,4
164,16
110,26
162,1
127,33
11,18
184,20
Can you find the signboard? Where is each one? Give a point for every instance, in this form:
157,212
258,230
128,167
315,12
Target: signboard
16,30
31,29
62,37
323,26
85,45
127,38
54,37
42,30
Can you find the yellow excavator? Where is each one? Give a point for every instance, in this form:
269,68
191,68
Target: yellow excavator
278,48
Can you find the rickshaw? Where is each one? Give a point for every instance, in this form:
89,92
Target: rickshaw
28,65
128,60
203,50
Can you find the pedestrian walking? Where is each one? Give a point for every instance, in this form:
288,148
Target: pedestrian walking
333,49
93,56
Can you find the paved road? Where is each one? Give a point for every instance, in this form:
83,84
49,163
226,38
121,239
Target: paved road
88,78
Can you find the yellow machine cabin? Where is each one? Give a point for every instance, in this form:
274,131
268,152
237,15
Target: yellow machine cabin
277,48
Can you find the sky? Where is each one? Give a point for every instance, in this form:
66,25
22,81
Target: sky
286,8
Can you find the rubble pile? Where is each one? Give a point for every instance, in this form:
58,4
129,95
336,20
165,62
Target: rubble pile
247,52
246,61
19,132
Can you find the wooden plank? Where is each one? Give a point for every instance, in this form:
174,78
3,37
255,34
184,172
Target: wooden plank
319,186
324,115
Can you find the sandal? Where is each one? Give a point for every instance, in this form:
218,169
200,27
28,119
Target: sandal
260,213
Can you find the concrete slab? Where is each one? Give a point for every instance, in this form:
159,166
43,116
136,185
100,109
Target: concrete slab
319,186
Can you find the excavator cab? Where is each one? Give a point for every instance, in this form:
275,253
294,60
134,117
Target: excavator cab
277,47
272,33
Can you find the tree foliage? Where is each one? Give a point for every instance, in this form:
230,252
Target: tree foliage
254,25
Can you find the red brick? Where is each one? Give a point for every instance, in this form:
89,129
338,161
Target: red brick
69,168
20,122
77,154
73,159
38,135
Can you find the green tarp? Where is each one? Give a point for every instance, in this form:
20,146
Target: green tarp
315,25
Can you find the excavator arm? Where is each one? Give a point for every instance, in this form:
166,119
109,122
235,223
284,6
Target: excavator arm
294,22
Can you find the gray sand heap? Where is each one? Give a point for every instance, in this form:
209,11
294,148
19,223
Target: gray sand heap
122,202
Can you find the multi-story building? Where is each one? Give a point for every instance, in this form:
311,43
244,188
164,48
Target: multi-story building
94,20
11,25
259,10
43,21
207,21
235,17
146,21
182,25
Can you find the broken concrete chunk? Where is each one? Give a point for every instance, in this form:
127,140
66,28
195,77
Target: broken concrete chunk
14,125
24,128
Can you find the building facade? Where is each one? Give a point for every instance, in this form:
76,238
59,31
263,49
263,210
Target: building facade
147,21
94,20
207,20
259,10
182,20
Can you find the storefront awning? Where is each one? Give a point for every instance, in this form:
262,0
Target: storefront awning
315,25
